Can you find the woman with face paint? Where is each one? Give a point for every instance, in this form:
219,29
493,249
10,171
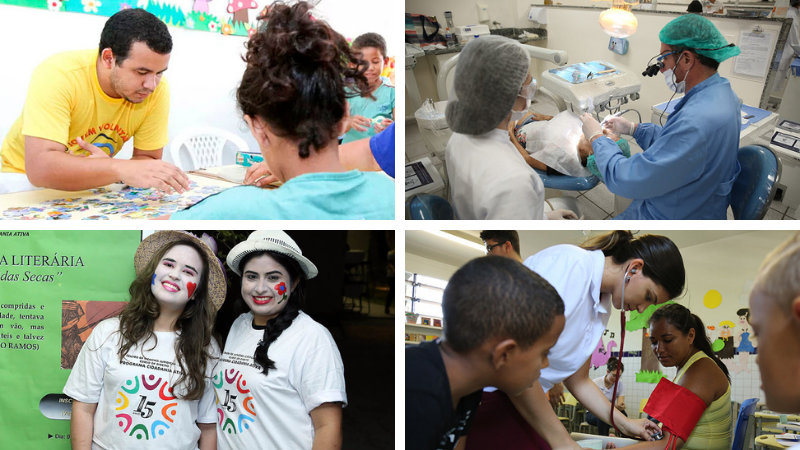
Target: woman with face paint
143,380
612,270
280,381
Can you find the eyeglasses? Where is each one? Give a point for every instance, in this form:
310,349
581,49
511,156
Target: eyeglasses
490,247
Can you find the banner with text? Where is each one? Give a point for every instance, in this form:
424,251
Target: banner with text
55,286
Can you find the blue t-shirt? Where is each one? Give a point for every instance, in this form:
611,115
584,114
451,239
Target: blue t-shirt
382,106
382,146
314,196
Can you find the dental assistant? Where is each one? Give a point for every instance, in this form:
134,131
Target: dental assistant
589,279
689,164
489,178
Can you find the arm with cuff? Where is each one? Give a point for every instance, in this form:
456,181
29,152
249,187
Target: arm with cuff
680,406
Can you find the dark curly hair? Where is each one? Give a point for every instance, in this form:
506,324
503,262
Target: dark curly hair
134,25
299,74
276,325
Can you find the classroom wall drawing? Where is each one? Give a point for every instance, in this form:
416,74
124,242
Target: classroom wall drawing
712,299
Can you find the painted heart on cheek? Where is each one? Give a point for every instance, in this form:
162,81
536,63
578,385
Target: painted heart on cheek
191,287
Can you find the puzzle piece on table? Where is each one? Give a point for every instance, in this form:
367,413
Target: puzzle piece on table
128,202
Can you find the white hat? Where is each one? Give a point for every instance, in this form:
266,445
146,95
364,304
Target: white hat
272,241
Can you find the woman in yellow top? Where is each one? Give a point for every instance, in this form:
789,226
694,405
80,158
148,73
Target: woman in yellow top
677,338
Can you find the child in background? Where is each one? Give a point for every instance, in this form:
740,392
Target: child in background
373,110
146,374
500,321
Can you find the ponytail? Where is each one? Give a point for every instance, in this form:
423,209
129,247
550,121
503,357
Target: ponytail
702,343
662,260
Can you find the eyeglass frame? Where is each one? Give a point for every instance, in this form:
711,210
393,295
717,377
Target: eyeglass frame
489,248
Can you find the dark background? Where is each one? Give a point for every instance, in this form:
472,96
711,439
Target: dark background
348,297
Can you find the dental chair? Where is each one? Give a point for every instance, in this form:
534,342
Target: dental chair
755,188
428,207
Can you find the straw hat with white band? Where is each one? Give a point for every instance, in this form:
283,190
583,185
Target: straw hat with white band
216,275
270,241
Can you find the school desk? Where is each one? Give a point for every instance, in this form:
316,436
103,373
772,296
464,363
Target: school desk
113,202
770,419
769,441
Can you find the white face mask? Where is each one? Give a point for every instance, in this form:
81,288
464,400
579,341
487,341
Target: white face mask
518,115
669,78
528,91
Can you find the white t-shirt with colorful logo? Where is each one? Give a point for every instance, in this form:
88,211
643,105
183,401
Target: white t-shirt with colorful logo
136,407
272,411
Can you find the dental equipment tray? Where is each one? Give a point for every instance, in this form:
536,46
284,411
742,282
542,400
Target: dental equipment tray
593,85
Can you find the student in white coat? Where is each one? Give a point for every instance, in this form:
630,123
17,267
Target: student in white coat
590,279
489,179
790,49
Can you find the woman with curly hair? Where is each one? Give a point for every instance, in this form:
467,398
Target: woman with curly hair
280,381
143,380
293,96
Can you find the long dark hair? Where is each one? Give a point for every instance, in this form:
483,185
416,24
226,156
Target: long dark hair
194,323
681,318
298,76
276,325
662,260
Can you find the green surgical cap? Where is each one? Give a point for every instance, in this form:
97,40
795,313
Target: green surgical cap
696,32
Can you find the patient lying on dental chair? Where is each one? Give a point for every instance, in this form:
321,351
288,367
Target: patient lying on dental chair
556,145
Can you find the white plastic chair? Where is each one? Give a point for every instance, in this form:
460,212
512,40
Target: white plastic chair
205,146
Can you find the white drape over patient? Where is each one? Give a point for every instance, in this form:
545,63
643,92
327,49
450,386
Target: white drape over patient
555,143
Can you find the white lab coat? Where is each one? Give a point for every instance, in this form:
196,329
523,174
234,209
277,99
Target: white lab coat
489,179
577,275
791,48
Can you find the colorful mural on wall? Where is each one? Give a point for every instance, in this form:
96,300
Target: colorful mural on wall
224,17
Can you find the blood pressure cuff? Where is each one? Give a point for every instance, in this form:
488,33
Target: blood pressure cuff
678,408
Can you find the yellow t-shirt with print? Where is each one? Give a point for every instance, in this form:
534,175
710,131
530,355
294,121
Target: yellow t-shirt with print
65,102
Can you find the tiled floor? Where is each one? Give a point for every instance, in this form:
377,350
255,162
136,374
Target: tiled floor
597,203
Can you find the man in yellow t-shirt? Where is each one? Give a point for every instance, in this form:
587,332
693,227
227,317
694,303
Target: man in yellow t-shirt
82,106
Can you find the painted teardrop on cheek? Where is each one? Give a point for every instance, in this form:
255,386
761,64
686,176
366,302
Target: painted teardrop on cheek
153,281
190,287
281,288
